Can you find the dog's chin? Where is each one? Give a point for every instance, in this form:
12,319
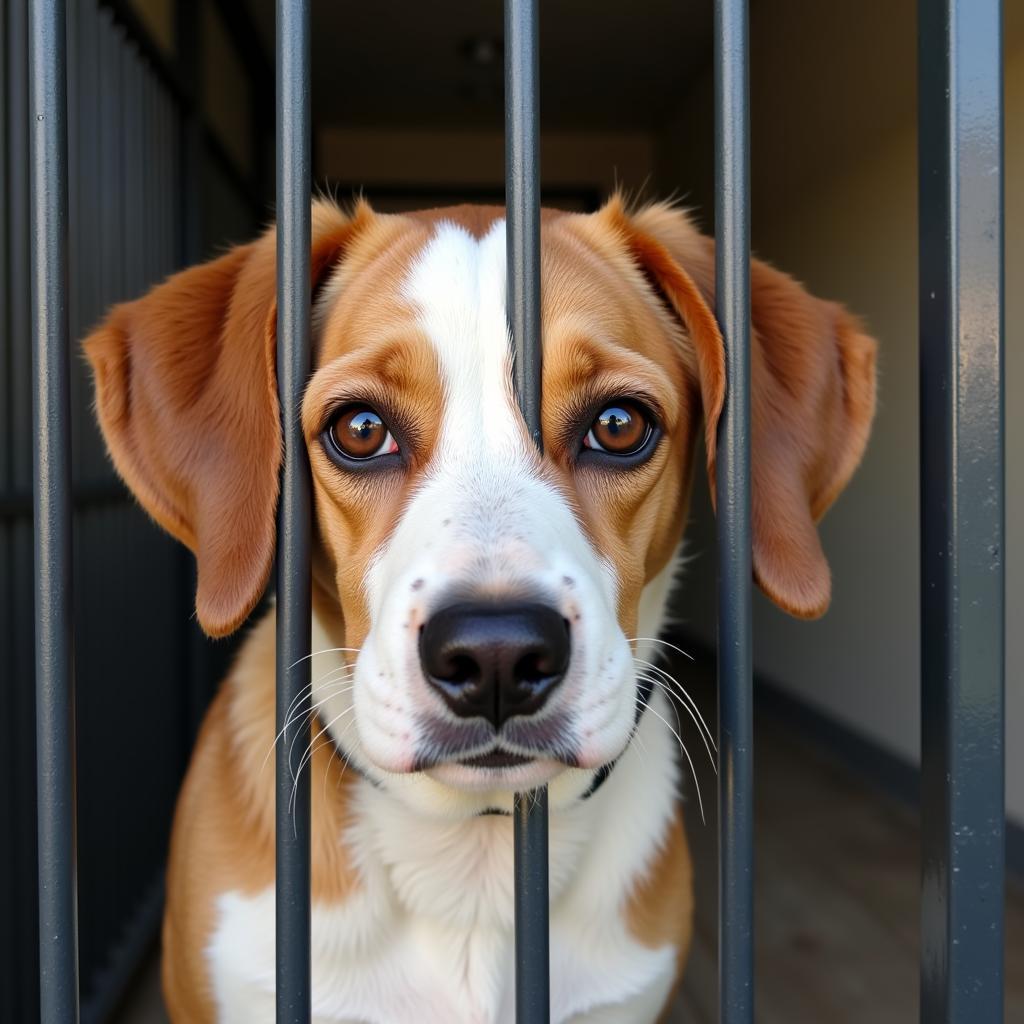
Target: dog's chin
496,772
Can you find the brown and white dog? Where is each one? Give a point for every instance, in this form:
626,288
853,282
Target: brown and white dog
479,610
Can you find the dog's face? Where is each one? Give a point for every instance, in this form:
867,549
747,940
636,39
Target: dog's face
488,597
492,594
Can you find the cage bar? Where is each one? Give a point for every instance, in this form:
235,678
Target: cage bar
522,199
294,518
732,482
54,649
960,163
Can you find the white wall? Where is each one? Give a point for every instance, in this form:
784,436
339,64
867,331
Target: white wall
841,214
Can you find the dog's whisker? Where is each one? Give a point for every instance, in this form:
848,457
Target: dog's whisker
307,758
337,689
682,691
330,696
346,757
307,755
684,694
295,711
656,640
326,650
341,670
673,702
327,772
321,740
305,692
317,744
339,675
324,693
322,688
308,689
686,754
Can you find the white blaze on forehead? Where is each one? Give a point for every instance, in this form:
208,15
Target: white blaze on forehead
507,523
458,286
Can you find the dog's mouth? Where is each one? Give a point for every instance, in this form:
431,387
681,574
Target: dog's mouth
496,759
496,769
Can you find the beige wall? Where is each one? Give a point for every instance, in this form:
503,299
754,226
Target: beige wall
592,160
843,218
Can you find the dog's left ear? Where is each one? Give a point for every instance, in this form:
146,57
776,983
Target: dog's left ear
812,395
186,396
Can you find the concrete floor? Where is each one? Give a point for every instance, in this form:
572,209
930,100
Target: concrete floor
836,897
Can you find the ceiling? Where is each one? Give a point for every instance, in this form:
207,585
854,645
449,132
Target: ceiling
604,65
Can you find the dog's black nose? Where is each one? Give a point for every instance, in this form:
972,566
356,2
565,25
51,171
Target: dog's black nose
494,660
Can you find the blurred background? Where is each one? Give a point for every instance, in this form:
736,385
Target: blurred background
172,122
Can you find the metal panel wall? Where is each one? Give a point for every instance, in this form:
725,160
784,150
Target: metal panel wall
138,656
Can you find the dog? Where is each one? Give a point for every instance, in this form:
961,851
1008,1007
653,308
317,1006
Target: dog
484,616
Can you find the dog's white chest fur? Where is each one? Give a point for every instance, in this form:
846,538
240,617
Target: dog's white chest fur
427,936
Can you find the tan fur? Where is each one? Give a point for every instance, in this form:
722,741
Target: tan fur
186,398
660,908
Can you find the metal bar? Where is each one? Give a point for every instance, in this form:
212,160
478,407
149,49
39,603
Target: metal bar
962,510
533,998
55,693
732,481
294,514
522,198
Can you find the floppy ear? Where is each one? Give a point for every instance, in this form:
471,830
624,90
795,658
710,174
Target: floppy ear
186,396
812,396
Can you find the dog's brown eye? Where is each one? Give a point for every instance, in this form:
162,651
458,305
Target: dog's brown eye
622,428
359,433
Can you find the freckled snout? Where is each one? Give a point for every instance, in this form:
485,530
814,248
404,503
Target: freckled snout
495,660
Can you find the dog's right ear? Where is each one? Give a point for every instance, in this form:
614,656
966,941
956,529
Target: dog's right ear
186,396
812,394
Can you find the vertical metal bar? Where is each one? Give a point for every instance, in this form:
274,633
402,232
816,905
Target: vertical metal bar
732,481
23,909
294,515
962,510
11,886
522,199
55,695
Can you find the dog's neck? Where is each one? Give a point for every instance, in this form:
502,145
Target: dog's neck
459,871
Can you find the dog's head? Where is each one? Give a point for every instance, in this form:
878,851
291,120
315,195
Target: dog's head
491,599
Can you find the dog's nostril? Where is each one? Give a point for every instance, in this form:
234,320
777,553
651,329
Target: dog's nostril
463,670
495,660
533,668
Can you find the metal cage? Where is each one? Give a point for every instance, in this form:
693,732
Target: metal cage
961,251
